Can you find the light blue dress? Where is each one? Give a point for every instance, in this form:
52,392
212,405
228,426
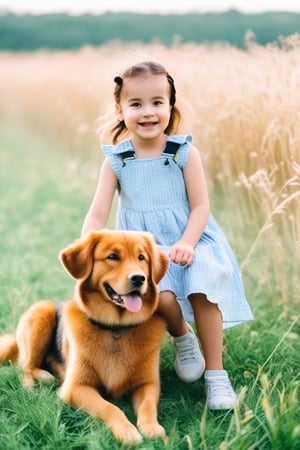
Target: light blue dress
152,197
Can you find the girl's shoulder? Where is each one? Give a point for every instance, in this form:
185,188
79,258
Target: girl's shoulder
184,142
117,149
116,152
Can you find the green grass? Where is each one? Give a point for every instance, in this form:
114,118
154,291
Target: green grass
45,193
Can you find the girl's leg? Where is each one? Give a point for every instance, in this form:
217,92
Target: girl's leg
208,319
209,326
170,310
189,362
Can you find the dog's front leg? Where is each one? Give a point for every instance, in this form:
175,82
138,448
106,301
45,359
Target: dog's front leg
89,399
145,401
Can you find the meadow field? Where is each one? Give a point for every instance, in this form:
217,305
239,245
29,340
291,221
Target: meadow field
243,110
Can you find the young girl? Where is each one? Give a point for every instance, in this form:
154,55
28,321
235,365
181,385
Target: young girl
162,189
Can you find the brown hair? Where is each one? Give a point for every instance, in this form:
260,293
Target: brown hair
134,71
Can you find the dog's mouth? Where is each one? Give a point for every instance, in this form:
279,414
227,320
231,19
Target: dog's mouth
131,301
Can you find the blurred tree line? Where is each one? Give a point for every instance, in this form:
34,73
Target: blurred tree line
64,31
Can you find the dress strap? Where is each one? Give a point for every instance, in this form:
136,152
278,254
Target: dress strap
126,156
170,151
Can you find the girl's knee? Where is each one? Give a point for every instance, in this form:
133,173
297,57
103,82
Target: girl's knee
167,298
167,303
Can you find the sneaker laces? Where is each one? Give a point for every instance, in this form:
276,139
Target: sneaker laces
187,351
220,386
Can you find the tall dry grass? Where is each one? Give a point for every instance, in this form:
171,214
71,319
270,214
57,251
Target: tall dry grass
242,107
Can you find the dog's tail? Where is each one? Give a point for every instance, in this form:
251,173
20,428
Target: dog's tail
8,348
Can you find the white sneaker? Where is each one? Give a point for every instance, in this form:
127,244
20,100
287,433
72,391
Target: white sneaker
219,392
189,362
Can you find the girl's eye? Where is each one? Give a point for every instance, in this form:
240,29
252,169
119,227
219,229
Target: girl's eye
158,102
135,105
113,257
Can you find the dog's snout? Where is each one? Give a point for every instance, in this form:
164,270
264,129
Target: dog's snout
137,280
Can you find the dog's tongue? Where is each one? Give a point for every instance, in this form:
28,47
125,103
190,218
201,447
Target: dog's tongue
133,302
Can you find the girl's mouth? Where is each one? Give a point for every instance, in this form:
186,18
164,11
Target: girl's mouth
148,124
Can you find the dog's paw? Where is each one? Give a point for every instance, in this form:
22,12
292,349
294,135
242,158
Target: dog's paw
44,375
29,379
128,435
152,430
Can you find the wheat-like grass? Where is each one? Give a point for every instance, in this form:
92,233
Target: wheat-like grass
242,107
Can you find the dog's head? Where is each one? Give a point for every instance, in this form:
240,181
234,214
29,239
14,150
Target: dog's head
117,274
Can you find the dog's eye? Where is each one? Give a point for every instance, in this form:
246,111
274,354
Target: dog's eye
141,257
113,257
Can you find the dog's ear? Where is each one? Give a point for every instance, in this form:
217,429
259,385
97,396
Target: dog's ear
159,261
78,258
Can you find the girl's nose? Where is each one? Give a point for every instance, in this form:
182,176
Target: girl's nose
148,111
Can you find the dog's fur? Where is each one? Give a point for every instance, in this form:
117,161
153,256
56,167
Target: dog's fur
105,340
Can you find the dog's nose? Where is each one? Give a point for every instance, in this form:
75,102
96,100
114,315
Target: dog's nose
136,280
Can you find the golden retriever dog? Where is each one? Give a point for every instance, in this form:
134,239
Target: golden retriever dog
105,341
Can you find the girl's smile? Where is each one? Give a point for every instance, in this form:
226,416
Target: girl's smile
148,124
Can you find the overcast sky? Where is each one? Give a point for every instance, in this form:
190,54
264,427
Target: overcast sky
178,6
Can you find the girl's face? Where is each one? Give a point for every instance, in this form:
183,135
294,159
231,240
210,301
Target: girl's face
145,105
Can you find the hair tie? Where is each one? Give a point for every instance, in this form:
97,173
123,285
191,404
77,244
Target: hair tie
118,80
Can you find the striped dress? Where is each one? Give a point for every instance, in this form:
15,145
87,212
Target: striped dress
152,197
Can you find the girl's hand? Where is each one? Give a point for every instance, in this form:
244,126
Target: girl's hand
182,253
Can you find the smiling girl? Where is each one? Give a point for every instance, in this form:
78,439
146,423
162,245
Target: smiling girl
162,189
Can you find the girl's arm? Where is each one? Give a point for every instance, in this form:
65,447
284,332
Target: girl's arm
182,252
98,213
